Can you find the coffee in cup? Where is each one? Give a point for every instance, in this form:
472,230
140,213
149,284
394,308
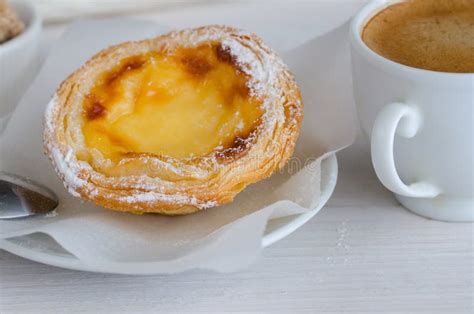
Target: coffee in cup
435,35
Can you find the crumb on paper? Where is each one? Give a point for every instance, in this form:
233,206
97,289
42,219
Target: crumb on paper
10,23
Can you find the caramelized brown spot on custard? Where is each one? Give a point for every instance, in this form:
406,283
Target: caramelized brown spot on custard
95,110
224,54
130,64
243,90
241,144
196,65
238,148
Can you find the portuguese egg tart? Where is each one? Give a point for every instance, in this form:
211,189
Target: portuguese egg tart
173,124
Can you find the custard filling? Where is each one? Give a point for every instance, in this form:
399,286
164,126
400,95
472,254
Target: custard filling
187,103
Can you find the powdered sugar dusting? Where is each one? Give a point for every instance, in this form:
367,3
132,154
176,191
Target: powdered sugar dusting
50,108
148,197
66,168
251,65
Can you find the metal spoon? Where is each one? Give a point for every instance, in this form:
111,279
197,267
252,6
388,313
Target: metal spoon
20,197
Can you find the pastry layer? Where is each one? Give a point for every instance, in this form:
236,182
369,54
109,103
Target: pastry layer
173,124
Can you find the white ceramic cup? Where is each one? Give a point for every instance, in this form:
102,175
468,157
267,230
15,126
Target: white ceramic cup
18,60
421,127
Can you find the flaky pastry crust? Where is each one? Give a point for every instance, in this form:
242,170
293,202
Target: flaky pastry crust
173,186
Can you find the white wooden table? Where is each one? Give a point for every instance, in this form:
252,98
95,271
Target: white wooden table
362,253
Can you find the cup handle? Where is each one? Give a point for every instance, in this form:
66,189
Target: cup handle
403,120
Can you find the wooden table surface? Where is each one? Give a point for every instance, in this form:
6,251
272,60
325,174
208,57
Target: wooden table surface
362,253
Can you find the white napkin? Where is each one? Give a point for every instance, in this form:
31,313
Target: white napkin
226,238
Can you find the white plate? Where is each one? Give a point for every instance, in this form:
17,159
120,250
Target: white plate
41,248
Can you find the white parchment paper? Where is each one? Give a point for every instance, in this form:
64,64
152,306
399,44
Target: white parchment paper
226,238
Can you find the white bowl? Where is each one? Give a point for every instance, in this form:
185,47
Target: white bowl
18,60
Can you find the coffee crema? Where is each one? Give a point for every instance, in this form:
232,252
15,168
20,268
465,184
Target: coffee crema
435,35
